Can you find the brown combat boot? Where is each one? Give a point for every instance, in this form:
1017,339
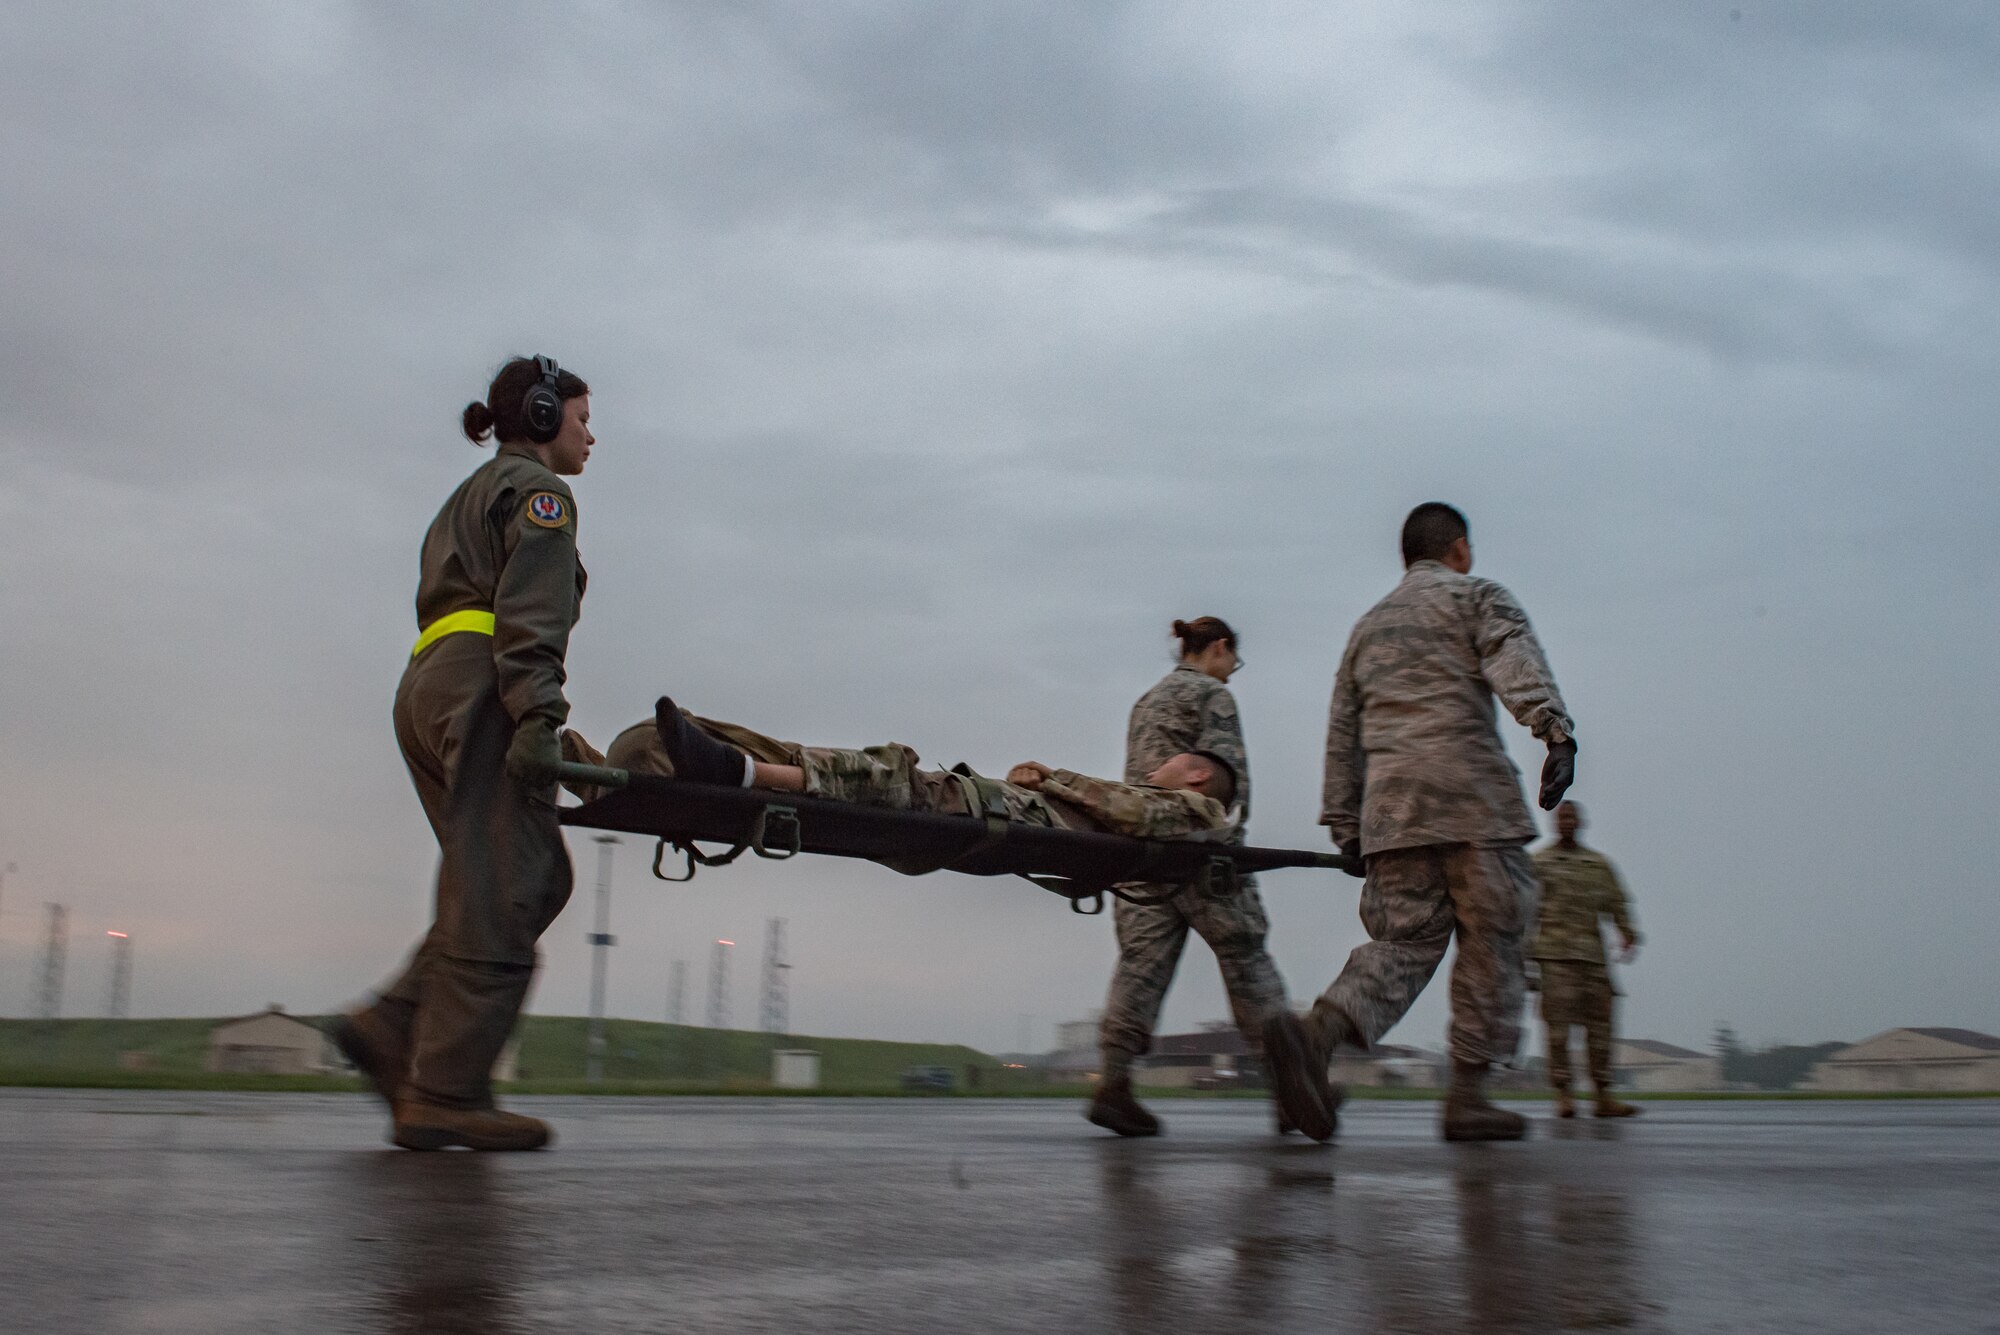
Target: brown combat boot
1565,1105
380,1056
1468,1115
426,1126
1115,1108
1298,1077
1610,1107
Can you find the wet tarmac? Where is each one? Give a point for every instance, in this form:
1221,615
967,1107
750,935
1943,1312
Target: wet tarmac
164,1212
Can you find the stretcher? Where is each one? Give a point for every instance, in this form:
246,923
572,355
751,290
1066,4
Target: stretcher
1081,866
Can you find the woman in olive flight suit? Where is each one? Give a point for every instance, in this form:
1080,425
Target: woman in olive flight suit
477,716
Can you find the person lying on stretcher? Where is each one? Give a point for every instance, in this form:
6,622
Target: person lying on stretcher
1187,795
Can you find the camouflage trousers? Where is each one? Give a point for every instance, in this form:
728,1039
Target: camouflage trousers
876,776
1150,940
1413,902
1578,992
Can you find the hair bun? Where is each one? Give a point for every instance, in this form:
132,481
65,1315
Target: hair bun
1180,630
478,422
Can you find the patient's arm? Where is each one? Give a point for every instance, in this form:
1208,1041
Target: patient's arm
1135,809
779,778
1030,774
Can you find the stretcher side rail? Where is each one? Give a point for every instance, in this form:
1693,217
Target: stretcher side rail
1079,865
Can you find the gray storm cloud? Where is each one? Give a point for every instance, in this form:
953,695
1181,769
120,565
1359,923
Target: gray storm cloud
941,358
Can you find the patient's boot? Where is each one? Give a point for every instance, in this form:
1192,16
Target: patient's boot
1468,1115
696,756
579,752
1116,1109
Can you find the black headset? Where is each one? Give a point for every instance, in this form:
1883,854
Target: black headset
542,406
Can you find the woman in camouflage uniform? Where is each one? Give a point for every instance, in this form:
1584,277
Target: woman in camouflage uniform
477,716
1190,710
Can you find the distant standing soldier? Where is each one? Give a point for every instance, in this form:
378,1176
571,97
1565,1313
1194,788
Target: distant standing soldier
1189,710
1579,887
1418,785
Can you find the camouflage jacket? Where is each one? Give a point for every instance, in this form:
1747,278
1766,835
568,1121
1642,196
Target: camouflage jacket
1135,809
1579,886
1413,756
1188,710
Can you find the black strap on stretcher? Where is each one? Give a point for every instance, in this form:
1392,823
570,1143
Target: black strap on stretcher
1079,865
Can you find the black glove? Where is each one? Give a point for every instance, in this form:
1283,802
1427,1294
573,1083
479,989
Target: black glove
1351,851
1558,772
535,753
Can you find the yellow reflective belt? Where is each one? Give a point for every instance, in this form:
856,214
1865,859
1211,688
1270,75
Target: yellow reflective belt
450,624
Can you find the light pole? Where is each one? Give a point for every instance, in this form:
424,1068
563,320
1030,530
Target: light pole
601,942
120,999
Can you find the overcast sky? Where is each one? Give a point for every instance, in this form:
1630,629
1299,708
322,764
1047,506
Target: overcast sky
942,355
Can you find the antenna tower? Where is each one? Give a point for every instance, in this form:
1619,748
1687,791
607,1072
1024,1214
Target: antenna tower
774,1016
718,986
55,950
677,993
119,1003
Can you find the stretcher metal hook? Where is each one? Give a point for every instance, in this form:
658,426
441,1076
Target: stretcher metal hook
659,856
775,833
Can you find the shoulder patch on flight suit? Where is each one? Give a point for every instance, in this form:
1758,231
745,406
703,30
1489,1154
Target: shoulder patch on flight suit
547,510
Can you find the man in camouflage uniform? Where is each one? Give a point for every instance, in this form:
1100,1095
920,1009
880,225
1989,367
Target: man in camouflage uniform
1579,886
1190,710
1419,786
1172,803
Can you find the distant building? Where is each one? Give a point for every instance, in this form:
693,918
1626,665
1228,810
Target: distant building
1648,1064
795,1068
1391,1066
1076,1059
1914,1059
1073,1035
270,1043
1214,1055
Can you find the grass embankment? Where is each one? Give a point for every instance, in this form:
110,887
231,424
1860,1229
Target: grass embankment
641,1057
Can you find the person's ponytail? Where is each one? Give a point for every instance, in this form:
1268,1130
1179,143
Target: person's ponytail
1198,634
478,423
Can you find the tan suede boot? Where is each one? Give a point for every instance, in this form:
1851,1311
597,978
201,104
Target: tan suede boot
381,1056
1610,1107
1468,1115
1565,1105
426,1126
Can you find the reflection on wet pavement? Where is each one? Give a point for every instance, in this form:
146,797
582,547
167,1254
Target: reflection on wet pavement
429,1243
222,1213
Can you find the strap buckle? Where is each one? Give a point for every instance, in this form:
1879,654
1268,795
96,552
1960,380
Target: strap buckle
775,833
1218,879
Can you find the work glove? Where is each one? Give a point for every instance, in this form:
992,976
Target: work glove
535,753
1350,852
1558,772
